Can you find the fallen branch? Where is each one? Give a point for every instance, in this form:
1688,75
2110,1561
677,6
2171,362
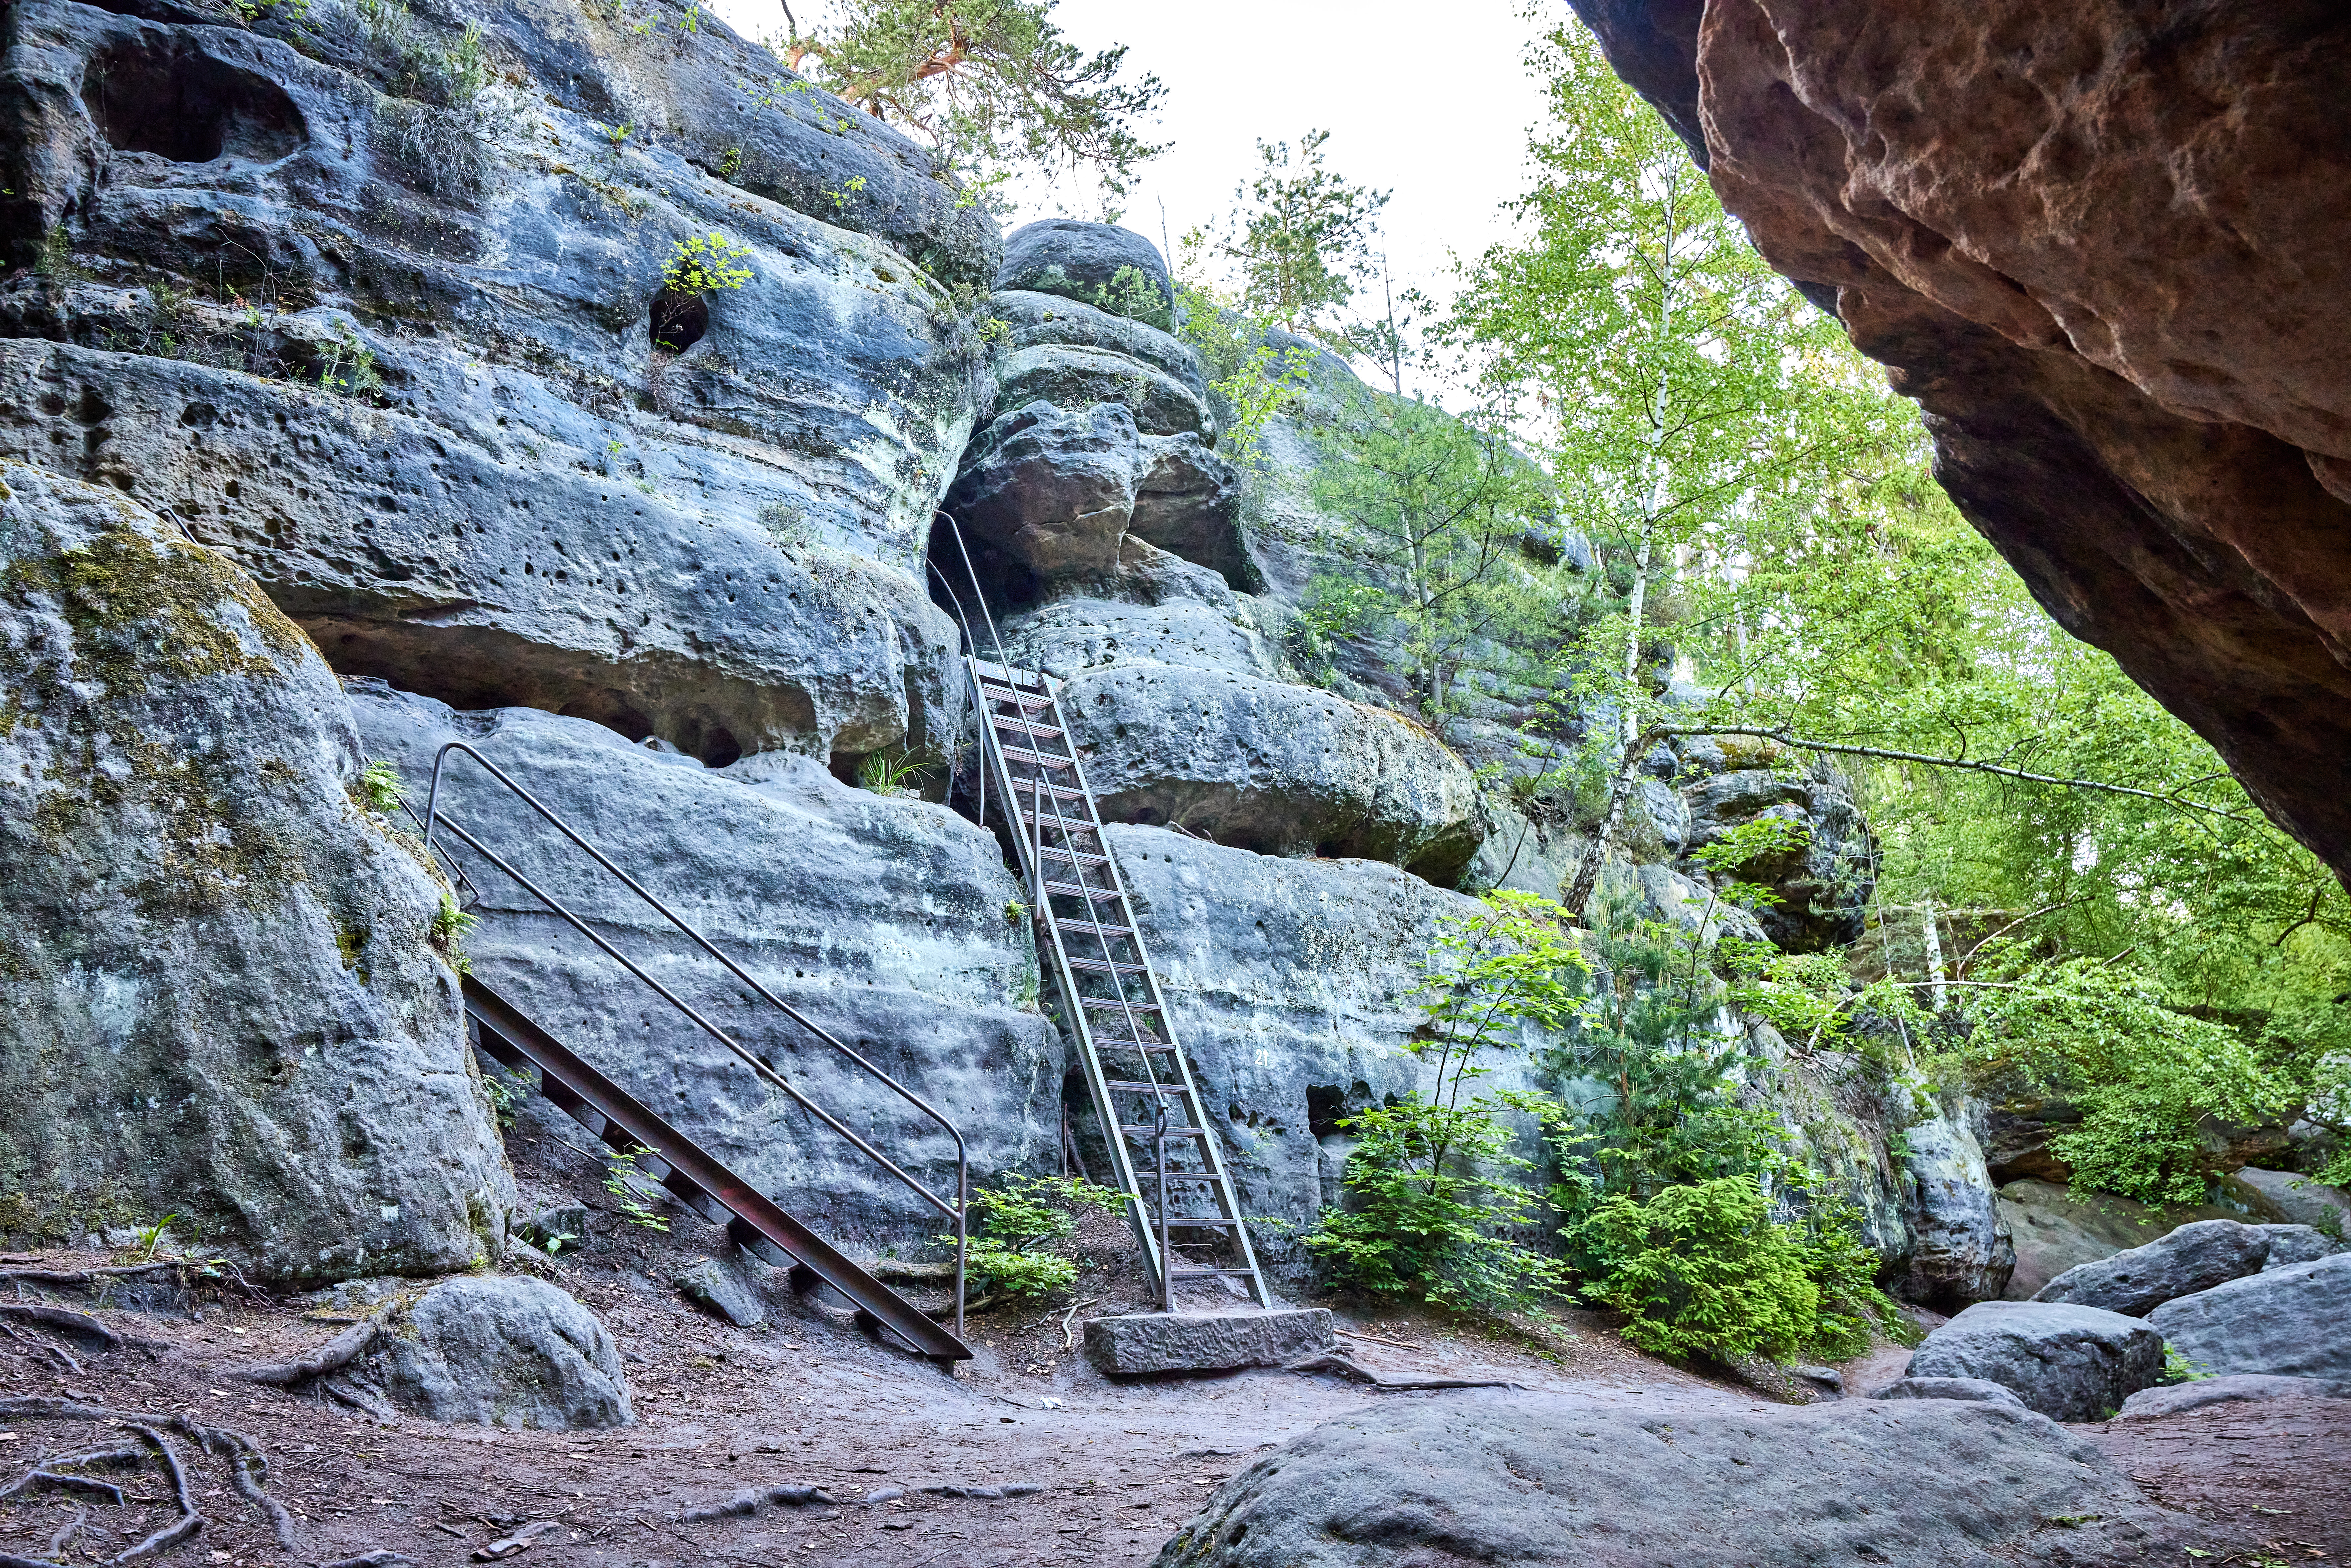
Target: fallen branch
1068,1324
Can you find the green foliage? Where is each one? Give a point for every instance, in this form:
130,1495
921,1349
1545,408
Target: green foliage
1022,1223
1301,238
1437,1200
2178,1368
1132,293
705,264
886,773
453,75
1428,509
150,1237
620,1176
992,84
349,367
1700,1270
447,929
787,525
1247,374
381,787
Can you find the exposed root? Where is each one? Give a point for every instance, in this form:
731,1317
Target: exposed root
64,1537
246,1467
46,1478
359,1397
333,1356
1338,1365
179,1530
85,1276
64,1319
380,1559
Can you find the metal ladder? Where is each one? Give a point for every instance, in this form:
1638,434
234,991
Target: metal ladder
1163,1150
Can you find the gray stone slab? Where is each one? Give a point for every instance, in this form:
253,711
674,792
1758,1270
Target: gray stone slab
1141,1343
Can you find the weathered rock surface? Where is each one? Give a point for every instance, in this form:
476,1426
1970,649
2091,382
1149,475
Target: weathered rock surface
2056,1229
1081,260
219,997
1272,767
444,440
727,1288
2292,1244
1033,321
2070,1362
2287,1323
2150,1403
1972,1390
2303,1201
1149,1343
1961,1248
2193,1258
891,921
2101,246
1077,377
497,1351
1532,1479
1823,886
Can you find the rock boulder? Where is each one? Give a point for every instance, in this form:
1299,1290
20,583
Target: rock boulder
1081,261
1534,1481
2069,1362
2286,1323
1153,1344
496,1352
2151,1404
220,997
1973,1390
2193,1258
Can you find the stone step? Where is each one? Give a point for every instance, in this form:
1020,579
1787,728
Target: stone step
1142,1345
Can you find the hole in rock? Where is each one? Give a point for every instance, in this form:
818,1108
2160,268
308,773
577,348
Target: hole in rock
188,107
678,322
607,708
719,747
1005,583
1325,1105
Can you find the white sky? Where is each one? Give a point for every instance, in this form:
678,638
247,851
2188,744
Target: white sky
1431,103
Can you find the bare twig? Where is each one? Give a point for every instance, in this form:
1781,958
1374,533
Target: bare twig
1358,1333
1069,1323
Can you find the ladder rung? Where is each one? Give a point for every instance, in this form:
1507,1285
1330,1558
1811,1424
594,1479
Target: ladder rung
1099,967
1131,1086
1037,786
1080,890
1179,1221
1037,758
1090,928
1189,1176
1022,726
1114,1005
1075,857
1065,824
997,691
1213,1273
1172,1131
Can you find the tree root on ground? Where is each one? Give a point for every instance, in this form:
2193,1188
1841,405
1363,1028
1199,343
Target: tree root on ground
1338,1365
243,1457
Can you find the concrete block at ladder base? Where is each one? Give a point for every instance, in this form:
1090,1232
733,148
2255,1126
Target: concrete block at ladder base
1142,1344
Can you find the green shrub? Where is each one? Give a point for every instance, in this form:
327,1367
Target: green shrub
1017,1226
1700,1270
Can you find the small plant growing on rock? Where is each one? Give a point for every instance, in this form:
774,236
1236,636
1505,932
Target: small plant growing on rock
620,1169
704,265
885,774
350,367
787,525
381,787
447,930
1131,293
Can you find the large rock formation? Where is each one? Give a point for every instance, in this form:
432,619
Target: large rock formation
2103,246
219,995
391,329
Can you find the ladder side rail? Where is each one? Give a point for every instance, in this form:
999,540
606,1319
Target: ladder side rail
952,1211
1227,1197
1122,1167
703,1172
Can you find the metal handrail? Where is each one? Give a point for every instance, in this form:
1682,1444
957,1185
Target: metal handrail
957,1211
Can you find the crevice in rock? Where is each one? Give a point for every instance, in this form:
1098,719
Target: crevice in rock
188,107
677,321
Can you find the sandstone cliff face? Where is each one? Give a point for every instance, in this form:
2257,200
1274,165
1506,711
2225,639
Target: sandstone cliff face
2104,248
219,999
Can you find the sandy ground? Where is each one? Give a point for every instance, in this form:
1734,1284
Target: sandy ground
811,1400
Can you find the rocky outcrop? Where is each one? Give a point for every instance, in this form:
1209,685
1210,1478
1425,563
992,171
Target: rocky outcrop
1536,1480
405,352
888,921
2239,1388
2101,246
495,1352
2192,1259
2056,1229
2069,1362
1081,261
2302,1200
1821,887
220,997
1968,1390
2285,1323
